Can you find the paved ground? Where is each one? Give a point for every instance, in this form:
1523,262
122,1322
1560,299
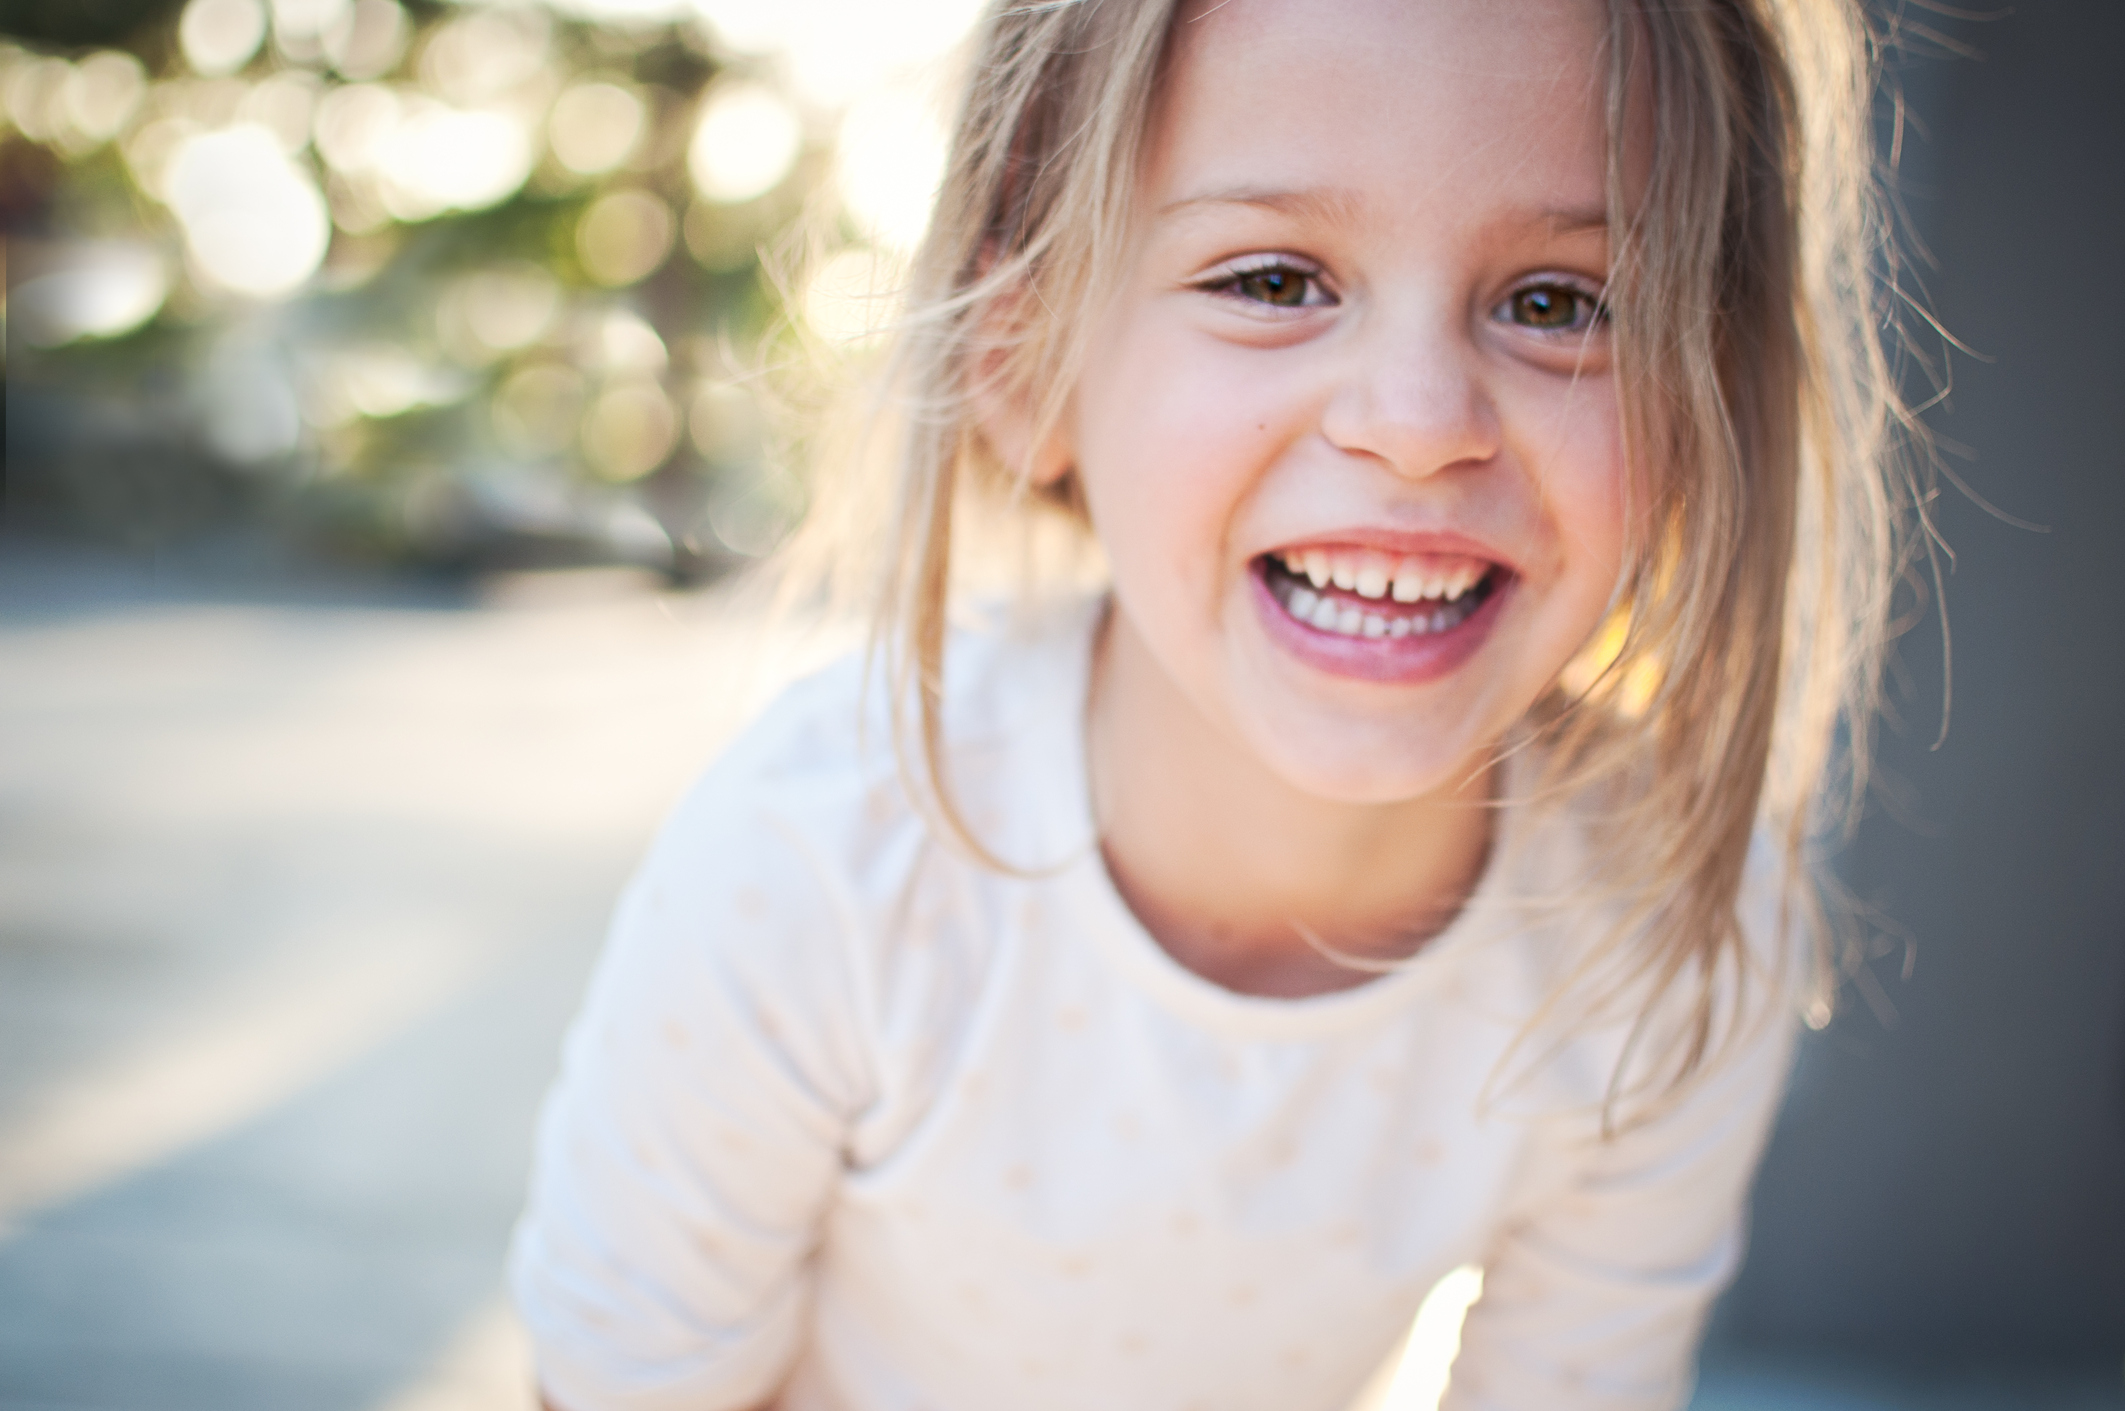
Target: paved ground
294,900
298,883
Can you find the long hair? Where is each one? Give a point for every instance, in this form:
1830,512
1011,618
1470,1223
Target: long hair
1740,667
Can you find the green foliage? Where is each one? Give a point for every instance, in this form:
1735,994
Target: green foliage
461,381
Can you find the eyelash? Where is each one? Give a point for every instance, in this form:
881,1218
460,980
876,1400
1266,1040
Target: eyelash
1589,310
1230,283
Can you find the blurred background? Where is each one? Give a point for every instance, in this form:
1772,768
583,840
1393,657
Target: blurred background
394,387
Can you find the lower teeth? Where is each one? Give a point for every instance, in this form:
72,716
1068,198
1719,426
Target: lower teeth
1327,614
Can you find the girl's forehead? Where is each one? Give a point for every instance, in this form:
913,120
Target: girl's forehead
1503,37
1383,98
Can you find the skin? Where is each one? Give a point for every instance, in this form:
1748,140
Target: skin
1360,309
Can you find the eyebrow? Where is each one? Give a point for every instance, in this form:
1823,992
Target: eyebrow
1331,203
1338,204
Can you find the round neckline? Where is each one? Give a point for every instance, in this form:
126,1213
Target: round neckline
1154,970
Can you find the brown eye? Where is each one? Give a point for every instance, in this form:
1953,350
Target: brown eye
1285,288
1553,308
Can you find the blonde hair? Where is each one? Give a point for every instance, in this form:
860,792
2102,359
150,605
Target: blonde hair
1748,295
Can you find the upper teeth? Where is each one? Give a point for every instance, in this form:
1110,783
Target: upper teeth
1409,578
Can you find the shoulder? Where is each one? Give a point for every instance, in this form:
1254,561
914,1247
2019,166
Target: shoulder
830,767
810,843
1615,1004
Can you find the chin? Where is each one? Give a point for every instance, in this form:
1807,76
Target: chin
1373,776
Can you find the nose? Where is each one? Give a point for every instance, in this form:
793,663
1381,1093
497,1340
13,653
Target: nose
1413,397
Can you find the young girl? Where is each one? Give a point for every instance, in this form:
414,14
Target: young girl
1141,1004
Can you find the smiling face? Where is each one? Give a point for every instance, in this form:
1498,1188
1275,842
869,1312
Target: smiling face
1347,429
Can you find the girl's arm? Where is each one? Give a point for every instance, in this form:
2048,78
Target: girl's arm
693,1142
1597,1299
1594,1298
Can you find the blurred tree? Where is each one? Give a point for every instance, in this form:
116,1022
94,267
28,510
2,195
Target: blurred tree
467,284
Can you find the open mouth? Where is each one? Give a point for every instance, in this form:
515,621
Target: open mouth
1368,594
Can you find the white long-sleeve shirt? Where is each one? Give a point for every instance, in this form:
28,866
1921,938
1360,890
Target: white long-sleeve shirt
850,1122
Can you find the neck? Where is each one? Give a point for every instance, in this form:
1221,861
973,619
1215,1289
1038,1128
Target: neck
1245,879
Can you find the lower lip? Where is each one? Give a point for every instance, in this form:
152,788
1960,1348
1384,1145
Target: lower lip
1401,661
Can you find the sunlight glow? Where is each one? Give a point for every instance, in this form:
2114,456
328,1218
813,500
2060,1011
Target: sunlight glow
852,296
253,220
889,158
837,50
437,158
747,141
1434,1339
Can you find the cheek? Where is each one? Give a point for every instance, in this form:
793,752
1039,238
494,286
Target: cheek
1595,521
1584,488
1166,445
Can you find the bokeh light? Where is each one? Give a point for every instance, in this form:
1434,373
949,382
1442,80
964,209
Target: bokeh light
434,158
724,421
35,98
103,92
108,288
630,429
253,221
490,312
537,407
747,140
624,12
300,26
620,341
486,53
595,126
449,237
220,36
285,106
367,40
353,123
624,236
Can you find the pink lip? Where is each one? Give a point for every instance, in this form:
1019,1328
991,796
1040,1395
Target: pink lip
1400,661
1397,541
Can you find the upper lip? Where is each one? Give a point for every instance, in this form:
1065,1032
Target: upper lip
1395,542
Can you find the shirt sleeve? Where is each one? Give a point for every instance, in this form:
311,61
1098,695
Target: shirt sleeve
1595,1293
694,1139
